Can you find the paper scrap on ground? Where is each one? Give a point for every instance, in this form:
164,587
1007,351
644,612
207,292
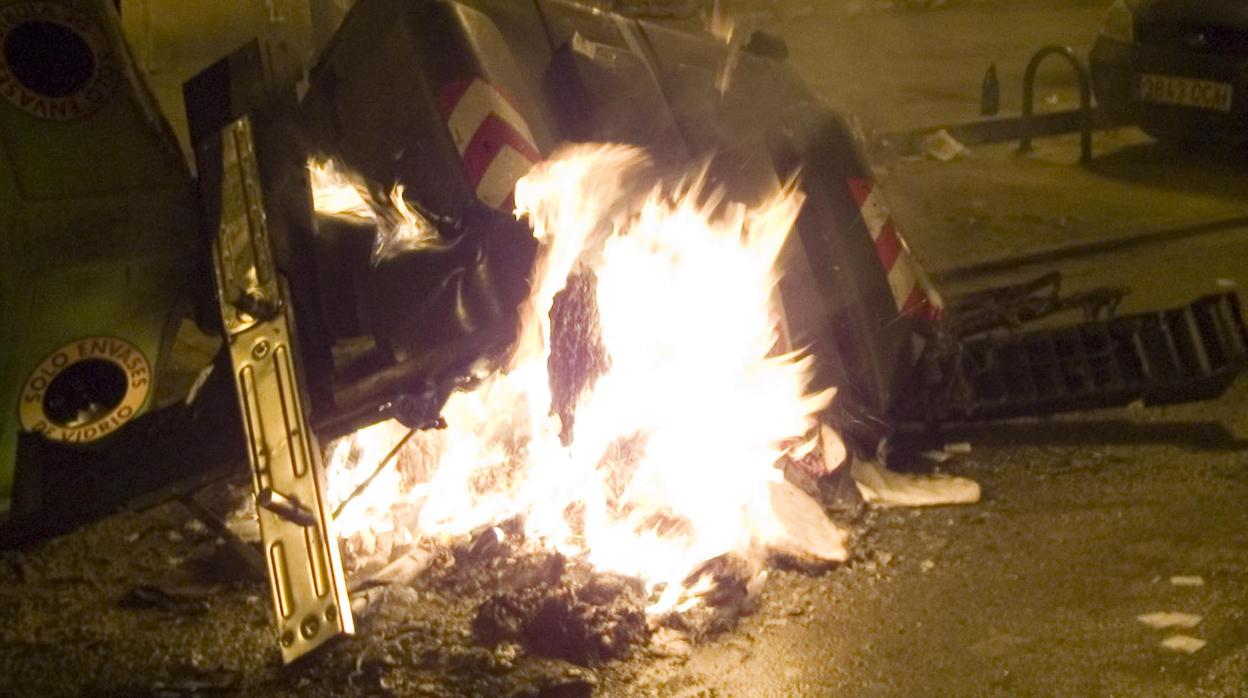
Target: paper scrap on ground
1169,619
947,451
884,487
942,146
1183,643
404,570
804,530
1187,581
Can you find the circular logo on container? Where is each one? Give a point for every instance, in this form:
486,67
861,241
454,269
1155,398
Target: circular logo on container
55,61
85,390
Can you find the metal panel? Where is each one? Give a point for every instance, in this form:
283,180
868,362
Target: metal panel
852,321
305,572
1161,357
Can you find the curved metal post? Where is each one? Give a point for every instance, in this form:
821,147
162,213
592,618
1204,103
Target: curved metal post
1085,99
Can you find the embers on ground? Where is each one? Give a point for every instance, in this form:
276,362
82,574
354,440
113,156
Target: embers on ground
552,606
515,595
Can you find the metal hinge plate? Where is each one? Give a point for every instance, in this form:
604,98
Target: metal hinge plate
305,570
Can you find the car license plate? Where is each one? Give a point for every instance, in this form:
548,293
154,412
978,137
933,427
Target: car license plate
1186,92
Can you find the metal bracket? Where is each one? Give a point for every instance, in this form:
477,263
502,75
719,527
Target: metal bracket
300,548
1183,354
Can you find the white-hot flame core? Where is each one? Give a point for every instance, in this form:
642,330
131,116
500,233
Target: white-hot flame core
675,445
335,192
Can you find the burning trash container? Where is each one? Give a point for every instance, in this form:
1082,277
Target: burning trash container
702,281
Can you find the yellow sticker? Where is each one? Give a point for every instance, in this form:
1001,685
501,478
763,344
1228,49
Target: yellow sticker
103,384
55,61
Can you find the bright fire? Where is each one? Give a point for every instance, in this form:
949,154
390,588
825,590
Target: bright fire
669,455
399,226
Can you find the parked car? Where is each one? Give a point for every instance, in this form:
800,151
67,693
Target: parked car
1179,68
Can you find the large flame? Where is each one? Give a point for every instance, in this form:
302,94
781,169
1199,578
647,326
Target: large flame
667,456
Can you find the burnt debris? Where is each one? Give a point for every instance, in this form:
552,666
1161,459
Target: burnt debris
564,623
578,356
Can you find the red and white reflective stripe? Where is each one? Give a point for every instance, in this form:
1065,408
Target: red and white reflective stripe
492,137
912,292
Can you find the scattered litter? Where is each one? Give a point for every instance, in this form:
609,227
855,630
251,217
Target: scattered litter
189,598
803,531
198,683
811,467
1183,643
1187,581
195,527
832,448
1161,620
885,487
947,452
927,565
942,146
200,380
402,571
667,642
561,623
375,600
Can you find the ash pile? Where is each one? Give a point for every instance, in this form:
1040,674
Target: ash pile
493,613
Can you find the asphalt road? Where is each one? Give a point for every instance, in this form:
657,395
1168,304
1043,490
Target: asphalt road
1032,592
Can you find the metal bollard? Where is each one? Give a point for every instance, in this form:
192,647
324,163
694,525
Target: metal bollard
1085,99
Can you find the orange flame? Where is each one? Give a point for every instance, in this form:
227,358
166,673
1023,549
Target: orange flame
672,460
400,227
